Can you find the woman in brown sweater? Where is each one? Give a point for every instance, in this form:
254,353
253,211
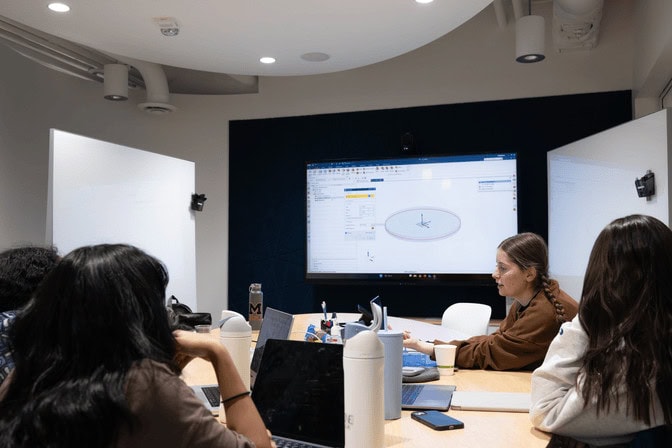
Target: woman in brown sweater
539,308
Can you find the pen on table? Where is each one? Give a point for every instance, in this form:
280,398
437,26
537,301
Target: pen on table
324,309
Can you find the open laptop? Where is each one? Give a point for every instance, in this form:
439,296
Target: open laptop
299,393
426,396
423,396
491,401
276,325
209,395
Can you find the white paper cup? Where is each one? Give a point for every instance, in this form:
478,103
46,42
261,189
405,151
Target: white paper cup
445,358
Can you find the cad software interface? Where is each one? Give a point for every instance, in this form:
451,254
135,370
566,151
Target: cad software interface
418,216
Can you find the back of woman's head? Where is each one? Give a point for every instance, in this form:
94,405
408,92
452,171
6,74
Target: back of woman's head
102,305
626,309
629,276
101,309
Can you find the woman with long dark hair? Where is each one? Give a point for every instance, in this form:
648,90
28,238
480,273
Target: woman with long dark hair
95,364
540,306
608,373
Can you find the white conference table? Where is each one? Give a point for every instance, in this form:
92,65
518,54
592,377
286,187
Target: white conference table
481,429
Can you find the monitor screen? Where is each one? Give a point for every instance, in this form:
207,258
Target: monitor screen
411,219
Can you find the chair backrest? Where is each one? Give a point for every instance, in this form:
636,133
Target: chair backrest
472,319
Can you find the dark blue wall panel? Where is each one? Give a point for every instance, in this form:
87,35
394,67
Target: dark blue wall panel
267,186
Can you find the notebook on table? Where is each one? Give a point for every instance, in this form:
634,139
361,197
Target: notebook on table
299,393
491,401
426,396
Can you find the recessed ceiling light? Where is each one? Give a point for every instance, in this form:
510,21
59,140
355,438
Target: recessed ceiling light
59,7
315,56
423,1
267,60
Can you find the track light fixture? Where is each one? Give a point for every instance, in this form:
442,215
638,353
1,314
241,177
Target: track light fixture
116,82
530,37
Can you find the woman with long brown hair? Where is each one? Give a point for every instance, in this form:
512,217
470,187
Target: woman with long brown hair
608,373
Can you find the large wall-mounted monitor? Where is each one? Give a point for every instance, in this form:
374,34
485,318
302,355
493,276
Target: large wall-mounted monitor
411,219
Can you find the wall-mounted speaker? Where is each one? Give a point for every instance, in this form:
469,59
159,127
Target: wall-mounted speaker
645,185
197,201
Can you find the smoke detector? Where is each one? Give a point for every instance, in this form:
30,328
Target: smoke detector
167,25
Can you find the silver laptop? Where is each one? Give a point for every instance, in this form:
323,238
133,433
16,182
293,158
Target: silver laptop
276,325
426,396
299,393
209,395
491,401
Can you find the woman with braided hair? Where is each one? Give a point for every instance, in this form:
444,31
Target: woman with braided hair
539,308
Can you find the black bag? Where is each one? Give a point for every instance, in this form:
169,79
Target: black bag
181,317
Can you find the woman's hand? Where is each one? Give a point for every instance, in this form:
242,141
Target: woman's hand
192,345
411,343
417,345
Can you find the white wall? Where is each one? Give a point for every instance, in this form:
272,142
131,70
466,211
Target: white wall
473,63
653,59
591,182
101,192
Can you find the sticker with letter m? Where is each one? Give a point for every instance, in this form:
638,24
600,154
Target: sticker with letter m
255,308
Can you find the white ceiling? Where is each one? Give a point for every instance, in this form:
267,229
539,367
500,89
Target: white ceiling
229,36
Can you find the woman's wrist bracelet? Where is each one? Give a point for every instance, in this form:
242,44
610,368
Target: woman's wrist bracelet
235,397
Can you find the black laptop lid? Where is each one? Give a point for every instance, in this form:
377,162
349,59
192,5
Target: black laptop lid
299,391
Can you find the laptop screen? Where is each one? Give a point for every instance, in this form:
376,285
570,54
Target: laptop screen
299,391
276,325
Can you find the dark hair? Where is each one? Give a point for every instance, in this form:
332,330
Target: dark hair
626,310
101,309
528,250
21,270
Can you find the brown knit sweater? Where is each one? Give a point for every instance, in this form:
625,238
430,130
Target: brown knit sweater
522,339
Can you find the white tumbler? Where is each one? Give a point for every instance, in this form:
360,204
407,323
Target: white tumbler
236,335
363,367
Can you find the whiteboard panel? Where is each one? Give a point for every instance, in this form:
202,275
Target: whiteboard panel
101,192
592,182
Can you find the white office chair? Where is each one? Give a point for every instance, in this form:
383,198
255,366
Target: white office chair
472,319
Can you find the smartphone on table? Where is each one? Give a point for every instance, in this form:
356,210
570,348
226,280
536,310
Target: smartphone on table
437,420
